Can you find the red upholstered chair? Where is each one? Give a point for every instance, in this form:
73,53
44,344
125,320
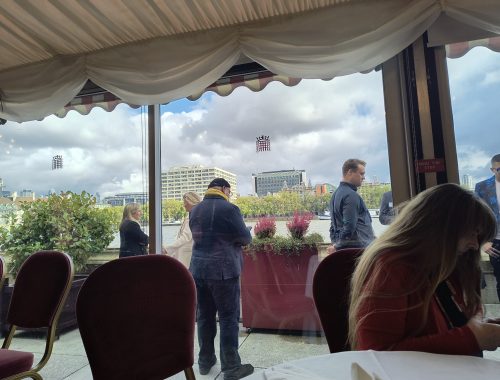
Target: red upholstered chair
331,287
137,318
41,287
3,271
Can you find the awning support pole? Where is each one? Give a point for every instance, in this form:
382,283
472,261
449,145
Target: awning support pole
154,177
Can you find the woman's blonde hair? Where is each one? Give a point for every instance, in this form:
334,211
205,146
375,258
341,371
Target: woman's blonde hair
129,210
424,236
192,198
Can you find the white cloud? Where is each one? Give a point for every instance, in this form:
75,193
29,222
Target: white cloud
314,126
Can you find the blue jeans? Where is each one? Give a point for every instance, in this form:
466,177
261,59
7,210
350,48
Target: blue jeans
222,296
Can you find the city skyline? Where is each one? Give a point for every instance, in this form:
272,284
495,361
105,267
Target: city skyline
315,126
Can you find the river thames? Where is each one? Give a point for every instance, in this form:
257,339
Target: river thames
320,226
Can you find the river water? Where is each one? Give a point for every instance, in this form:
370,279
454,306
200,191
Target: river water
320,226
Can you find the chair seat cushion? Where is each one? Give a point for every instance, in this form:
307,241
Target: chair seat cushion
12,362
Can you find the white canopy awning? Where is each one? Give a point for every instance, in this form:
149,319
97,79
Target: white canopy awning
161,50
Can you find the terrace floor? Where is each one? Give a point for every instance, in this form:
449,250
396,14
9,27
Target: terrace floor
263,350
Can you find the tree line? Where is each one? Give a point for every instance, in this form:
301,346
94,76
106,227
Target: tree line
284,203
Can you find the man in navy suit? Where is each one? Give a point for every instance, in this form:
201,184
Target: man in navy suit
489,191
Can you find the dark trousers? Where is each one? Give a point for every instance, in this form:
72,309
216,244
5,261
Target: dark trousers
222,297
495,263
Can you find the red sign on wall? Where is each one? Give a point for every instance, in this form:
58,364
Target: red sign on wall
430,166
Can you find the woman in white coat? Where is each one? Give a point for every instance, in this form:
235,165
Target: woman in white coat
182,247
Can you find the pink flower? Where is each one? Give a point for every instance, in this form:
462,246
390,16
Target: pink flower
265,227
299,224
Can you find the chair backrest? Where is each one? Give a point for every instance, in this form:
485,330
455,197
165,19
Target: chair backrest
331,286
40,290
137,318
3,271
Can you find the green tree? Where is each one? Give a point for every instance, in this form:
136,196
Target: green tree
115,215
67,222
173,209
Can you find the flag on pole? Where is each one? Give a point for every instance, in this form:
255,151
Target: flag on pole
263,143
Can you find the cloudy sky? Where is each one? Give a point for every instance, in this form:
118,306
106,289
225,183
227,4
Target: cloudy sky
314,126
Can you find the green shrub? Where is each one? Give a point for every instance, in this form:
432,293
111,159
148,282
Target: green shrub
67,222
281,245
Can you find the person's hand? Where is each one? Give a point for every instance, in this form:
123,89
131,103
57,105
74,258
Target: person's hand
486,334
488,248
330,249
493,320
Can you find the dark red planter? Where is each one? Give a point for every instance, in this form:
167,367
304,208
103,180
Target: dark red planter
276,291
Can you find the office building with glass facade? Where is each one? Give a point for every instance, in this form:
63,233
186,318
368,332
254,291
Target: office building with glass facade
273,182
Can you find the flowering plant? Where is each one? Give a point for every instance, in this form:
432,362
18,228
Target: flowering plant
265,227
299,224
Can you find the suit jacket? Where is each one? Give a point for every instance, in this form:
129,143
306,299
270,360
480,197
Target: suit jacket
133,241
218,234
486,190
351,223
386,214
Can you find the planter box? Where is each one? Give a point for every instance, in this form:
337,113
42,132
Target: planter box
67,319
276,291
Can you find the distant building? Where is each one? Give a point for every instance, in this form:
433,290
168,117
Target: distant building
301,189
27,194
275,181
57,162
180,179
467,182
23,196
6,193
324,188
3,192
123,199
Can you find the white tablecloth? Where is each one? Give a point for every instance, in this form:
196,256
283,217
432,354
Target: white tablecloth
397,365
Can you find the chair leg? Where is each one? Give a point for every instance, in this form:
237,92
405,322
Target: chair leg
189,373
25,375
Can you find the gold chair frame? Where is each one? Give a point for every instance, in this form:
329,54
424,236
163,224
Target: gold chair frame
51,334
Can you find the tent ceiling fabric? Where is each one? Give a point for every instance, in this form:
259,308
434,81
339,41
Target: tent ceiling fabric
158,51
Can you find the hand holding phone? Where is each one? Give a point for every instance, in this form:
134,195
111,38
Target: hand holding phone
495,320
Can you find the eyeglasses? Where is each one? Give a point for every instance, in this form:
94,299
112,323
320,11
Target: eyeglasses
228,188
496,170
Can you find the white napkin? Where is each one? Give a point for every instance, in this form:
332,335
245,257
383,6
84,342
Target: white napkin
359,373
291,372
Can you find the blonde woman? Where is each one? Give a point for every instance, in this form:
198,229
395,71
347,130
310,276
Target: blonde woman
133,241
182,247
416,288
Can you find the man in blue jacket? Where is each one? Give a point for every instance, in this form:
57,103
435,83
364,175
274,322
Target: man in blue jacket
218,234
387,211
351,223
489,191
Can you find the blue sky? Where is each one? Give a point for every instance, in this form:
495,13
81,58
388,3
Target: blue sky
314,126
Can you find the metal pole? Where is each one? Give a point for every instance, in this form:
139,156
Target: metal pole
154,171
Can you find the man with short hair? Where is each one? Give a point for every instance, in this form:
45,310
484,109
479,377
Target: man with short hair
489,191
218,235
351,223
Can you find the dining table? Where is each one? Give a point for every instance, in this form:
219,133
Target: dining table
383,365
